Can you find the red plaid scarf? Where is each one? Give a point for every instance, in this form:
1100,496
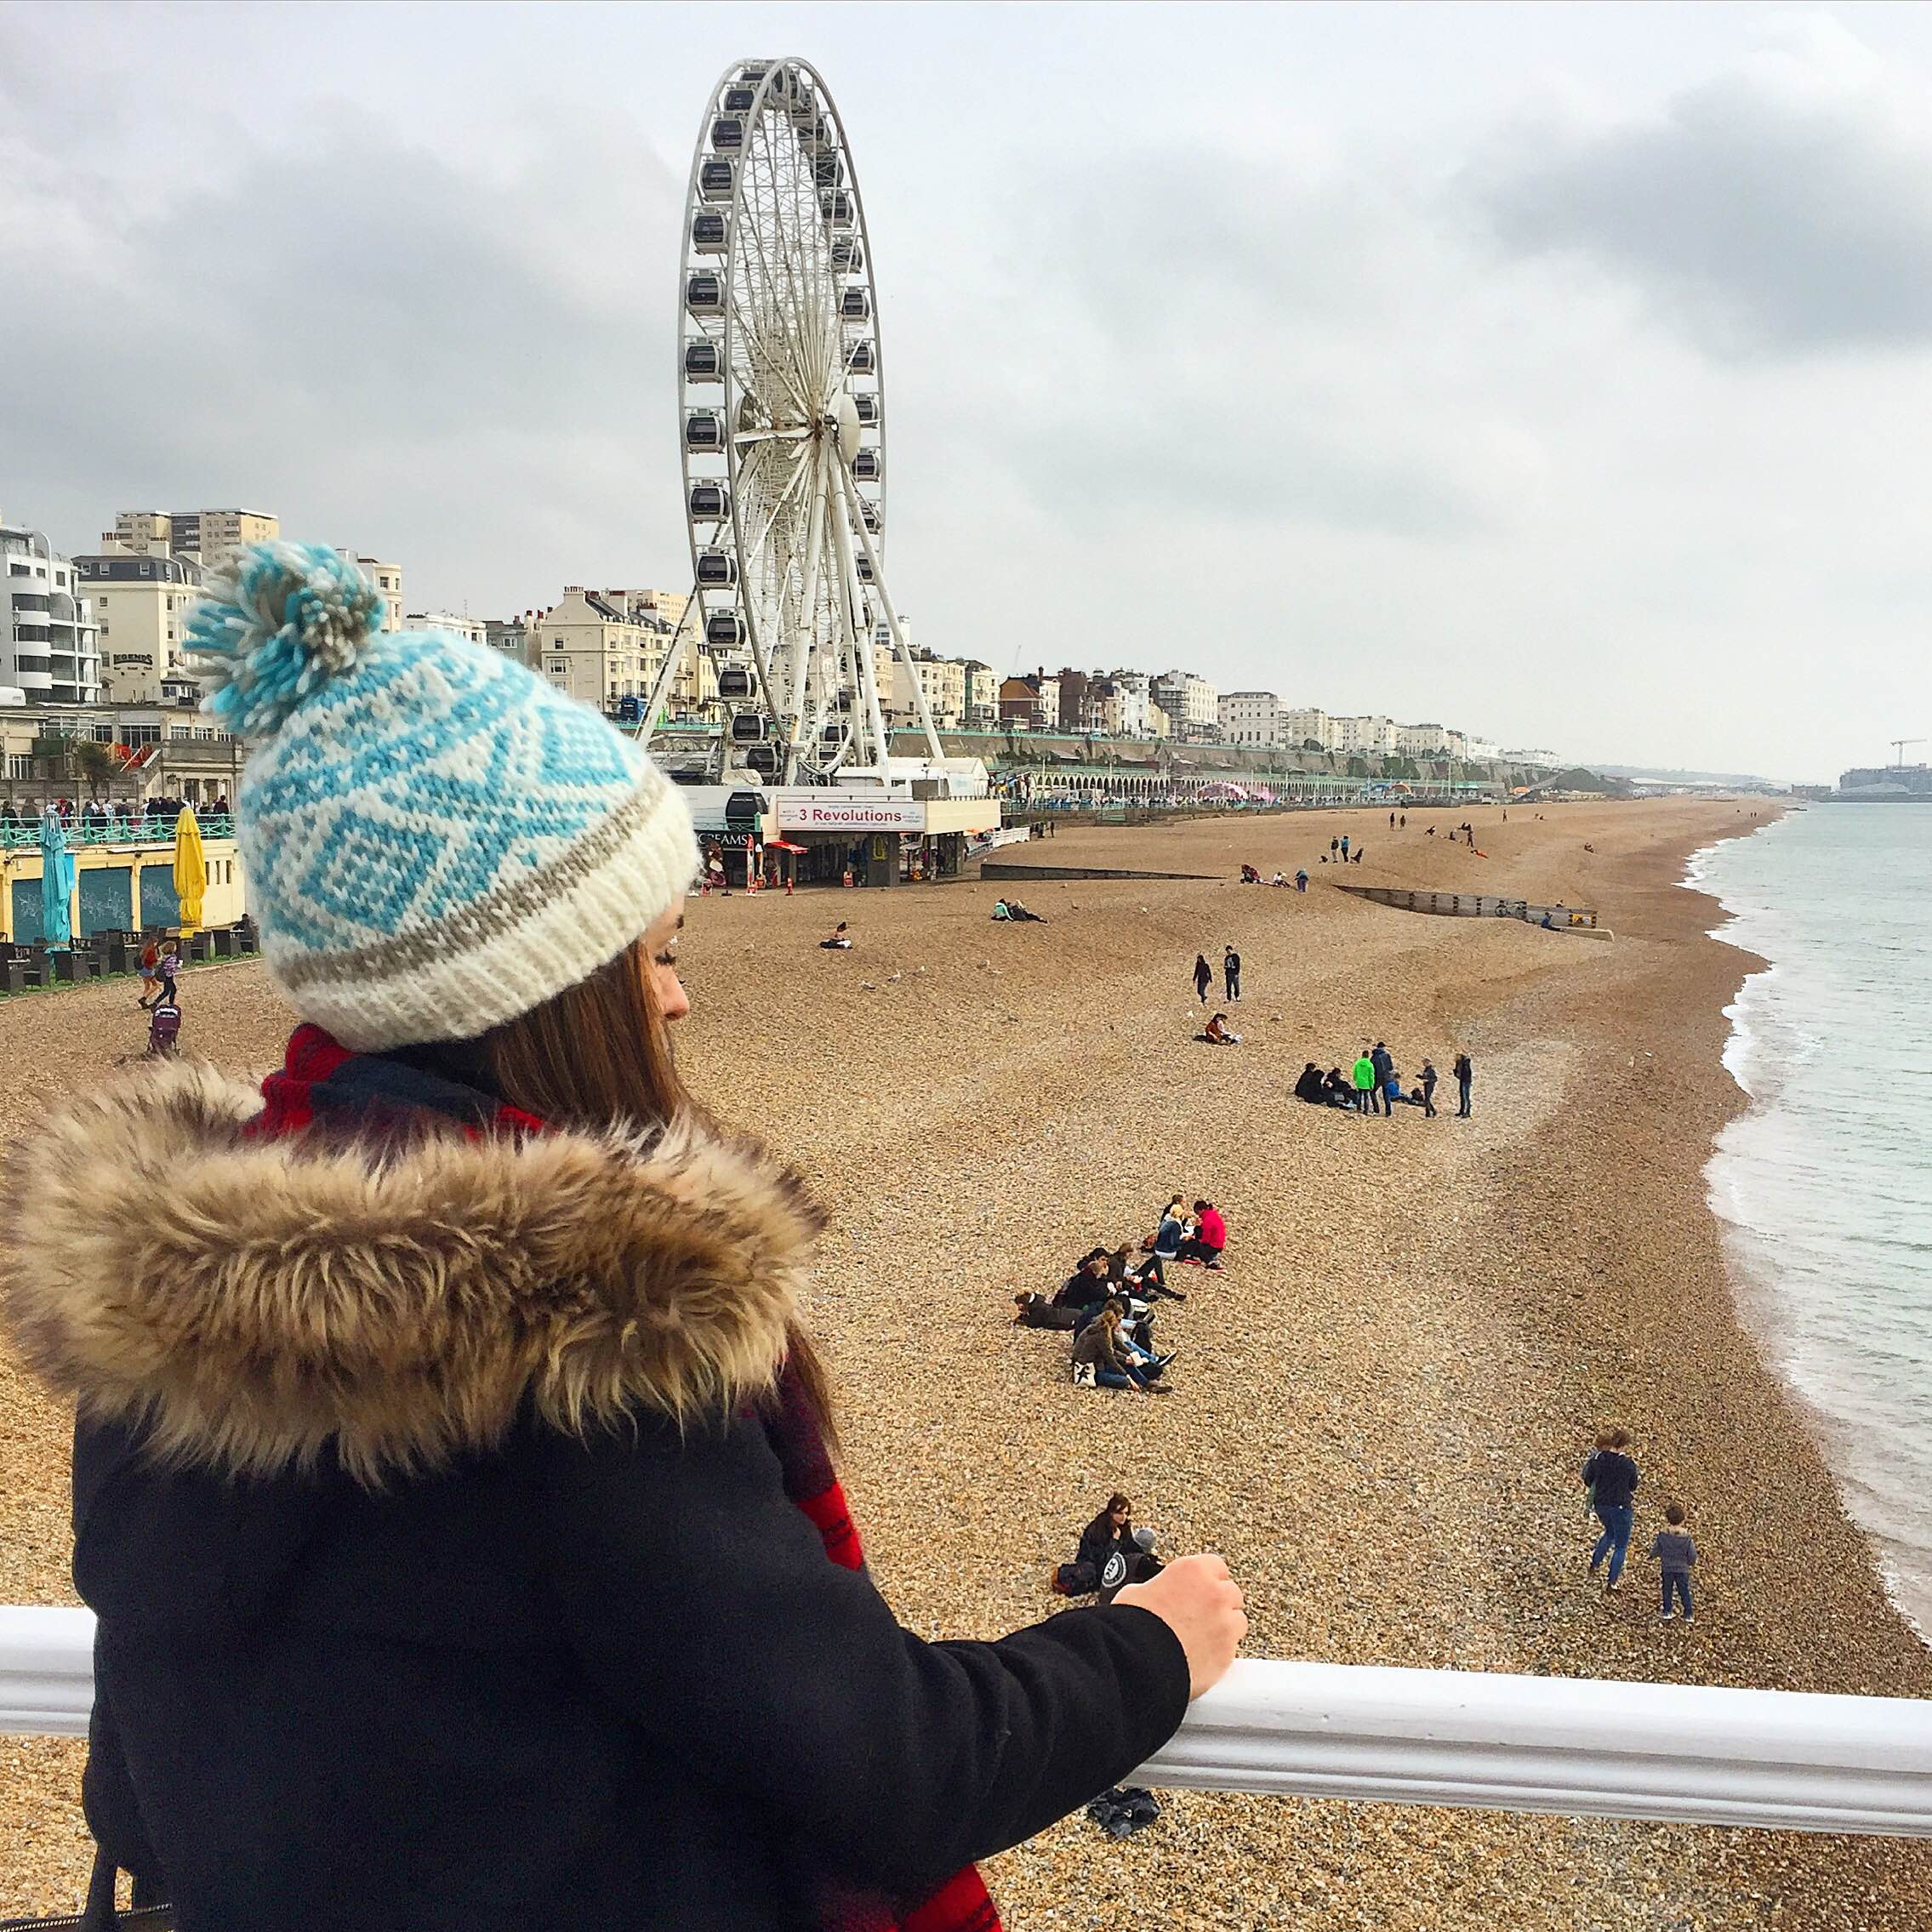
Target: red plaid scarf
322,1081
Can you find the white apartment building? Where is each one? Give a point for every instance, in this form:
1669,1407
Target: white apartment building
1128,702
1422,741
1304,725
1249,717
1191,702
473,628
943,680
50,648
982,694
1370,737
1545,760
593,651
141,603
387,578
1482,748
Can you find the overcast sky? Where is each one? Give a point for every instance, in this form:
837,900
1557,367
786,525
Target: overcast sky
1561,373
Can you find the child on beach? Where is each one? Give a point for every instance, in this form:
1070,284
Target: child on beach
1675,1552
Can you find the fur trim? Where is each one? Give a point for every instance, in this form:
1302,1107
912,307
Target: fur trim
254,1302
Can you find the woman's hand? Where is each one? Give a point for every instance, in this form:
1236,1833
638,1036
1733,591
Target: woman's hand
1197,1598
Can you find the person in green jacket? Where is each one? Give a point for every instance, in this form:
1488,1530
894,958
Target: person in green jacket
1365,1080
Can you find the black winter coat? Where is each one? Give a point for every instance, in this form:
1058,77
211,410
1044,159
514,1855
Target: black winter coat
471,1598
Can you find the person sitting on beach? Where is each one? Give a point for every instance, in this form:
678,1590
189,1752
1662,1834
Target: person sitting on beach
1086,1286
1110,1534
1000,910
1035,1311
1217,1033
1309,1086
1675,1552
841,941
1337,1090
1280,879
1249,876
1149,1280
1017,912
1610,1480
1170,1235
1101,1348
1210,1237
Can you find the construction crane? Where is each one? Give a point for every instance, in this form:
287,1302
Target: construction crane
1898,746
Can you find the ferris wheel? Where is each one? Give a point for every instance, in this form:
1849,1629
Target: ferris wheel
782,423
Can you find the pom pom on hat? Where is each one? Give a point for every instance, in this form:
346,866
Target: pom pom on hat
288,618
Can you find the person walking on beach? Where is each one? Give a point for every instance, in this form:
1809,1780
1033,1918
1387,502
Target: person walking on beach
531,1547
1676,1551
1427,1078
1465,1078
1204,976
1231,972
1364,1075
1344,848
1392,821
1611,1478
1301,878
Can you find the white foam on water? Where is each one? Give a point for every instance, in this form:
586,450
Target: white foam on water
1821,1183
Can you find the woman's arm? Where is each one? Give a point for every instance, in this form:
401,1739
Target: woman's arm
703,1607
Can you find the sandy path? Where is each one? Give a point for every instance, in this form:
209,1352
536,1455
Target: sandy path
1380,1402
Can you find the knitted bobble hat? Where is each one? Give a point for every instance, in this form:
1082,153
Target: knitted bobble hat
435,841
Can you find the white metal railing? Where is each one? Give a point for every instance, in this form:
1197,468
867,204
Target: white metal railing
1684,1753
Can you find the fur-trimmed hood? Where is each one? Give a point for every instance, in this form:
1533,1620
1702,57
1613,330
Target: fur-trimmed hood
258,1303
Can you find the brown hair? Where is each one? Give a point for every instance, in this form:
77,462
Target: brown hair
1620,1439
1116,1501
596,1056
1673,1514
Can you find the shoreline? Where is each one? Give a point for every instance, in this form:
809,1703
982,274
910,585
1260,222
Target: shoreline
1753,1256
1380,1404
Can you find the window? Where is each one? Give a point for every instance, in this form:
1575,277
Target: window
147,570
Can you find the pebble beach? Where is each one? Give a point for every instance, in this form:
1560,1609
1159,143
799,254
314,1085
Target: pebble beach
1382,1400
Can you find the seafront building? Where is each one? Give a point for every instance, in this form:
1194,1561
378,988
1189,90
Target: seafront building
50,646
141,601
211,537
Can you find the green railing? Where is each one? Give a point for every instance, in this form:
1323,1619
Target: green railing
24,835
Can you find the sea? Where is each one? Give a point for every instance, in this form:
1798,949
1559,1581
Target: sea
1825,1182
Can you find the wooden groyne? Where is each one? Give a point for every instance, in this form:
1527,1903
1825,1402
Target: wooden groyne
1485,905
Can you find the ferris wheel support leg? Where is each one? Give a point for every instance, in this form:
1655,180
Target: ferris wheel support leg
807,623
933,747
660,690
861,646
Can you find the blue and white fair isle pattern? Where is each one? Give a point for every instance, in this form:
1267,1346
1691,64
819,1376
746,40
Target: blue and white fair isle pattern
426,779
436,840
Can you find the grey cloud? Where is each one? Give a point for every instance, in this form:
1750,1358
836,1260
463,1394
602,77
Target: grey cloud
352,326
1784,209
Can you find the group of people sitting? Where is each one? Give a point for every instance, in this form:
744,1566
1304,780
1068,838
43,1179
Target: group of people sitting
1374,1084
1106,1304
1250,875
1012,909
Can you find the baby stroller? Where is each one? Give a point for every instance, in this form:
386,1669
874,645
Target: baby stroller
164,1029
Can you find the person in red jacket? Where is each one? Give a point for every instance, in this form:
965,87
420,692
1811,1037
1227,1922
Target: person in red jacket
1209,1237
